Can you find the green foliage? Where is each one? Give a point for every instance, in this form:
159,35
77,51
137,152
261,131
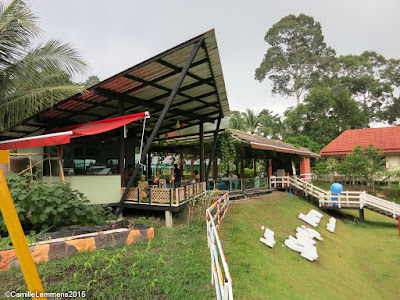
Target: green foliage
325,166
31,78
227,148
393,192
248,173
298,54
368,162
325,113
369,78
91,80
236,121
303,141
40,205
251,120
271,125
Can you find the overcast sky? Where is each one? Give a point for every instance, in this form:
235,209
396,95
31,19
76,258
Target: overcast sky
115,35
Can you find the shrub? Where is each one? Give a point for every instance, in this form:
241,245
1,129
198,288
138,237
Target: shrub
40,205
393,193
248,173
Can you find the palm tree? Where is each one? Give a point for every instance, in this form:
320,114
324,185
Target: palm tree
251,120
31,78
236,121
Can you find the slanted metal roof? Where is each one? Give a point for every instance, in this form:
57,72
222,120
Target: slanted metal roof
259,142
145,87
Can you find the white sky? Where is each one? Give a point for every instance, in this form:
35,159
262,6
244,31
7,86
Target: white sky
115,35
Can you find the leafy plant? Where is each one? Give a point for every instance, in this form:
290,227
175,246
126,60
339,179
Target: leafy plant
40,205
368,162
393,192
227,148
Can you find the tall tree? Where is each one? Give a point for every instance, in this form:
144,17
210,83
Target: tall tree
31,79
251,120
325,113
369,80
298,54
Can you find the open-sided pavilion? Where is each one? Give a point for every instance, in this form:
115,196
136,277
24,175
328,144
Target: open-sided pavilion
180,87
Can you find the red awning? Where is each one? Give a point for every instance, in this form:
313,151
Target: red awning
100,126
62,135
37,141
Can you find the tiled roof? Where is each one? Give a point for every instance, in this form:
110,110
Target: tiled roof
259,142
386,138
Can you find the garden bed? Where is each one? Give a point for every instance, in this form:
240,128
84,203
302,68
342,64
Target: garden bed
68,242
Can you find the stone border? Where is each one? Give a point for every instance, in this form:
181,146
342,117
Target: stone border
66,247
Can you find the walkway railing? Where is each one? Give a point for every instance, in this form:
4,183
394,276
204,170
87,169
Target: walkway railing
347,199
239,184
166,196
220,276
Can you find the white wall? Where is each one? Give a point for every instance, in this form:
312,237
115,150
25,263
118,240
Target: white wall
99,189
393,161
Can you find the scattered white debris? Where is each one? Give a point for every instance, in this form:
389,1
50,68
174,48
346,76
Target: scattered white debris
268,238
315,213
262,228
308,220
313,217
304,238
331,224
313,232
302,246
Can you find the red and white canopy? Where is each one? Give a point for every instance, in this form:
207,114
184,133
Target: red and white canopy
63,135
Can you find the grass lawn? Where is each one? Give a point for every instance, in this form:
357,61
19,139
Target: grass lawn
175,265
355,262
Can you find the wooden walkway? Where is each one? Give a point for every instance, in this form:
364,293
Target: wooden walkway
346,200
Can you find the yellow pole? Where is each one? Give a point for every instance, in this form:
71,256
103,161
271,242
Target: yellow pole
17,236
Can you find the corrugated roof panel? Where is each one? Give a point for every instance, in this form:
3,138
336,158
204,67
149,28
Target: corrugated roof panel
121,85
149,70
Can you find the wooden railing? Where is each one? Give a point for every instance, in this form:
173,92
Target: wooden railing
220,276
166,196
347,199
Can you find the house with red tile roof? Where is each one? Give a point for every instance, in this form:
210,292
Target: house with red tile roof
386,138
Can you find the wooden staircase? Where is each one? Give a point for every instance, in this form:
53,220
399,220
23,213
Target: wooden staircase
346,200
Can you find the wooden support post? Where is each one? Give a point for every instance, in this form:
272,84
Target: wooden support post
214,146
215,169
361,219
201,141
242,166
30,163
255,167
60,163
51,173
168,219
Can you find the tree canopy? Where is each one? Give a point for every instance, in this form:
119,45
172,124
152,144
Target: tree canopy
32,78
298,54
325,113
